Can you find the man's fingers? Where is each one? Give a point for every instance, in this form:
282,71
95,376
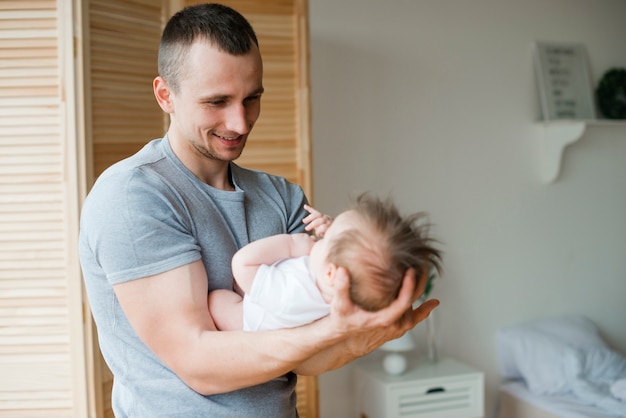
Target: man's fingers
407,290
341,283
421,285
423,311
392,315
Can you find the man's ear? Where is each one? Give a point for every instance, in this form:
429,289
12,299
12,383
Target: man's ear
163,94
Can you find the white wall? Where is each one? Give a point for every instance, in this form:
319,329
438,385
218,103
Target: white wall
434,102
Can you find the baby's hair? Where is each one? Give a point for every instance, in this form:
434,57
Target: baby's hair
378,252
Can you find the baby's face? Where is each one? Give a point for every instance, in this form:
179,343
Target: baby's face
319,252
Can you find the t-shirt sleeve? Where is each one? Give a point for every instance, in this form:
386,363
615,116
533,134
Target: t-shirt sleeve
136,228
297,212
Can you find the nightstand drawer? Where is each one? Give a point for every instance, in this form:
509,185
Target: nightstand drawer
460,398
446,389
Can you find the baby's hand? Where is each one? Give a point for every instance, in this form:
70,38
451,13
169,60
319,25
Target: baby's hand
316,221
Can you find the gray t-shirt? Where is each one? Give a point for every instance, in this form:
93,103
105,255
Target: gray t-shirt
149,214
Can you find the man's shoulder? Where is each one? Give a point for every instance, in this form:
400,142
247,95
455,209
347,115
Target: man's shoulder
130,172
149,154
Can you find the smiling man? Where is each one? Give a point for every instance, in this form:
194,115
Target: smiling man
159,229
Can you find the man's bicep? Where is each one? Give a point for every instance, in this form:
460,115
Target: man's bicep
168,310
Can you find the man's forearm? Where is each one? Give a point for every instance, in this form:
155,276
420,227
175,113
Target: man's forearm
345,351
330,359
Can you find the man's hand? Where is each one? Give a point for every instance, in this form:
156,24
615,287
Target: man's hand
369,330
359,332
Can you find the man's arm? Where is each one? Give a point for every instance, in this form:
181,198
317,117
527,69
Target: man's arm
169,313
267,251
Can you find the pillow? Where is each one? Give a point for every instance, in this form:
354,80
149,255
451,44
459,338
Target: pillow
520,346
563,356
545,363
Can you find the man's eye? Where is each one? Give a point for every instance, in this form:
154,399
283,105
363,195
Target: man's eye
217,102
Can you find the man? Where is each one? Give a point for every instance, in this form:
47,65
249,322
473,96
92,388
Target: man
158,231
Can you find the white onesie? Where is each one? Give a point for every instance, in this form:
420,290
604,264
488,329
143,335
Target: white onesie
283,295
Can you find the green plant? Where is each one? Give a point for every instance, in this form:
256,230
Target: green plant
432,275
611,94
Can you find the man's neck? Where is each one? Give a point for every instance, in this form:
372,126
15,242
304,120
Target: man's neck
213,172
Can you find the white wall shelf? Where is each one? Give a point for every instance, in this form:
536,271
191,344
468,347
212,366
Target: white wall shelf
555,136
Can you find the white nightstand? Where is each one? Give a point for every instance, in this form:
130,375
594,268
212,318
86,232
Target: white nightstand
445,389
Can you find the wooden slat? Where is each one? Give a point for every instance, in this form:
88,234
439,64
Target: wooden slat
124,37
35,361
13,5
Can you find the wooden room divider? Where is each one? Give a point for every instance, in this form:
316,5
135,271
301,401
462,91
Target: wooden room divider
76,96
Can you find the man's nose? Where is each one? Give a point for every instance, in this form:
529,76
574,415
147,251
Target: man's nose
236,119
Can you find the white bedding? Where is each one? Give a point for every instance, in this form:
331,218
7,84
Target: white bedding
557,406
564,357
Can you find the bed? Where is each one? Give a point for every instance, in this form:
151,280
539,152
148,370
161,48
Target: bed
559,367
517,401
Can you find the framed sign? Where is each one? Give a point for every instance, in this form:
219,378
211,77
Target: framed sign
564,81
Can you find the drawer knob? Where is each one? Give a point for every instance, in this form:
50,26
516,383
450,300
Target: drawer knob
435,390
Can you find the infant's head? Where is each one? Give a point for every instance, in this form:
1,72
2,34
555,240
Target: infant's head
377,246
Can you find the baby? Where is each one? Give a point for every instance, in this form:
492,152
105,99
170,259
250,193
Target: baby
287,279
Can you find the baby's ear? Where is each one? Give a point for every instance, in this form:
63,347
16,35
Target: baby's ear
331,272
